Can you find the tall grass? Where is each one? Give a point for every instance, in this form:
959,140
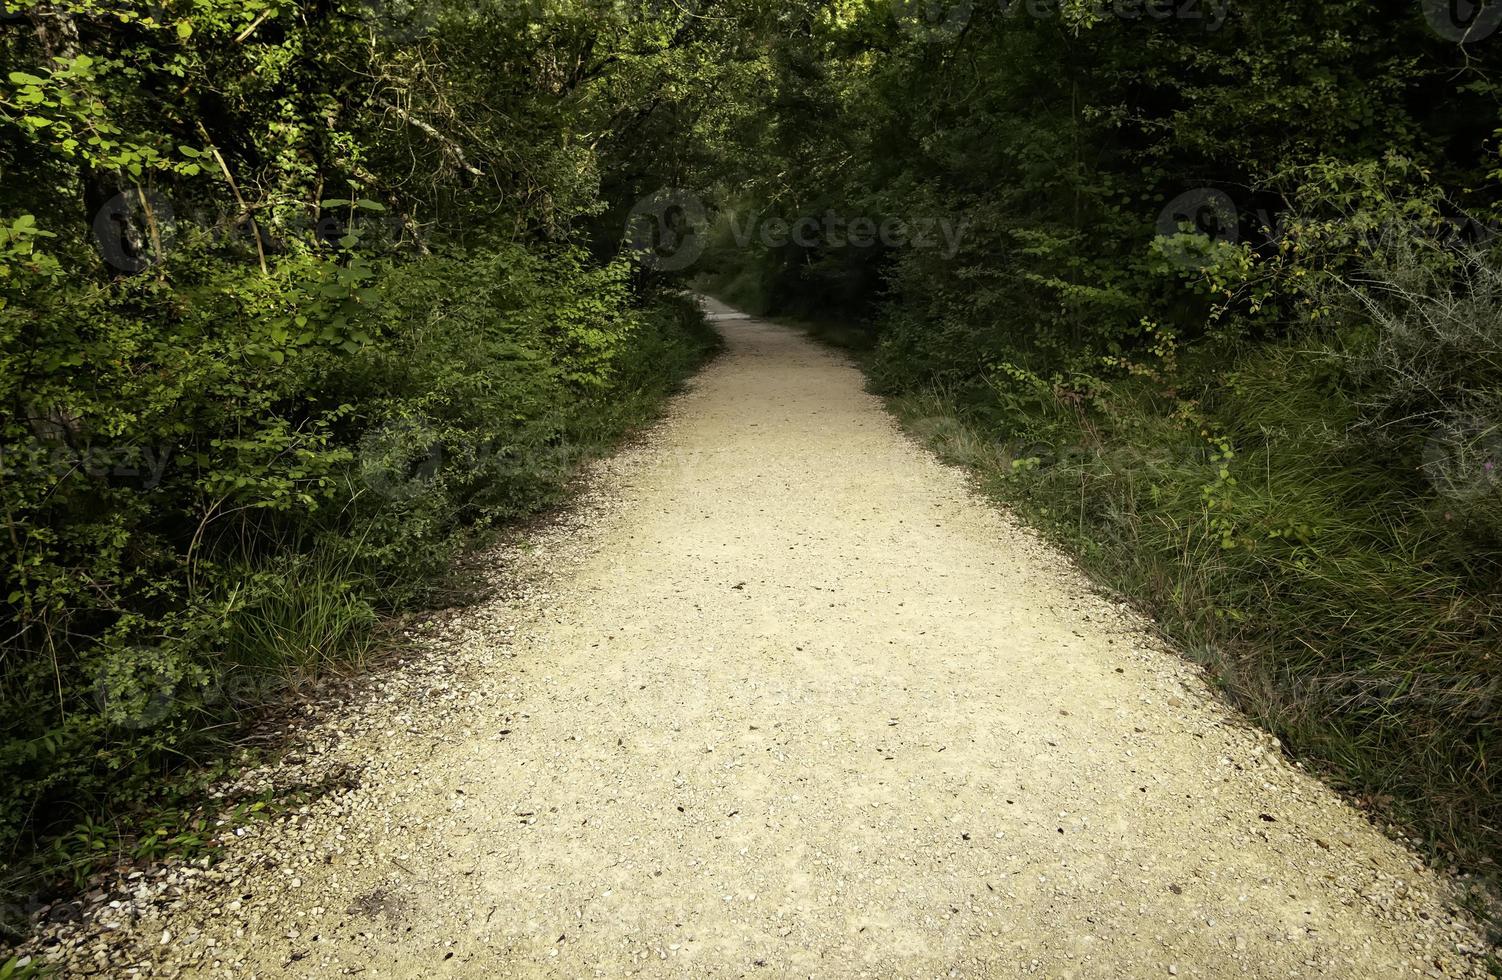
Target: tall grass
310,616
1315,581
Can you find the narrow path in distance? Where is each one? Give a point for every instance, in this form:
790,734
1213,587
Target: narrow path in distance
802,704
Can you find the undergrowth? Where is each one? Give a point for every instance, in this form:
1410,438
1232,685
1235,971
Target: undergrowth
1325,591
489,380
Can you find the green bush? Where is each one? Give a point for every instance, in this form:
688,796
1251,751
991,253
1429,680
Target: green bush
274,497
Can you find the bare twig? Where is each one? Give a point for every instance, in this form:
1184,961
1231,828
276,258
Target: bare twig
449,147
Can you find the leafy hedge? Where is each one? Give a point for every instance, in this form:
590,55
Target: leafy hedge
202,507
295,300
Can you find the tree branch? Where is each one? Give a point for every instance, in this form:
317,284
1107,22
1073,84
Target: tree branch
452,149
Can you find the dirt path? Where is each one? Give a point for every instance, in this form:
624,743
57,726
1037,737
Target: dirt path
791,701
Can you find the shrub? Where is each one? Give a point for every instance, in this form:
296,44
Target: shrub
272,494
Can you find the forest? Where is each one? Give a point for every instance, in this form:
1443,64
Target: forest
301,300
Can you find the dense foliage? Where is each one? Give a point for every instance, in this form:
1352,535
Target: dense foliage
295,294
1220,306
294,298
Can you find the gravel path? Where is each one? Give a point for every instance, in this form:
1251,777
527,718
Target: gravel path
783,697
